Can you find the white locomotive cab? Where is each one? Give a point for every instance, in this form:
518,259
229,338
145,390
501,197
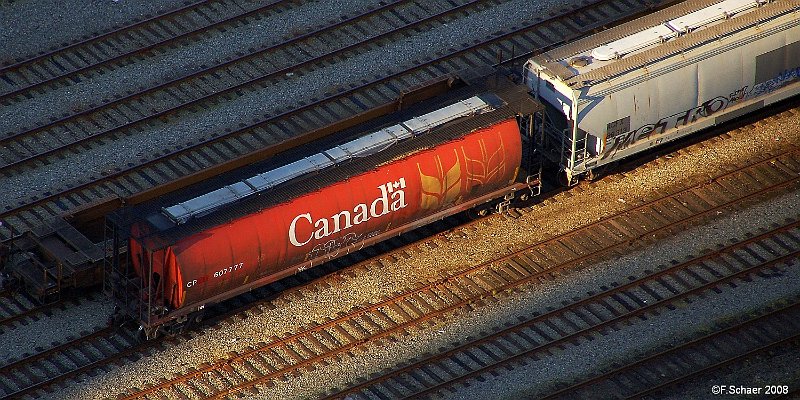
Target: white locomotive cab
664,76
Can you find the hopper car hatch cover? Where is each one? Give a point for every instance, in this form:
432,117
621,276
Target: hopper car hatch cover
361,147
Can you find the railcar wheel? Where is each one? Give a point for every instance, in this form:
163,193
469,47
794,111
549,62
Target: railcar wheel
523,200
146,334
601,171
196,319
565,180
478,212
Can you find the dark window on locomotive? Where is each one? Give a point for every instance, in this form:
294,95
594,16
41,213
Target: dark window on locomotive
771,64
618,127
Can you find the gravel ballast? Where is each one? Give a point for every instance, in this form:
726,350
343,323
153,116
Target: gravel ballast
193,127
773,368
88,316
670,327
168,63
28,27
468,246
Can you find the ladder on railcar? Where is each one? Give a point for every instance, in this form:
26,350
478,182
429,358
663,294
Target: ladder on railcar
120,282
561,146
532,151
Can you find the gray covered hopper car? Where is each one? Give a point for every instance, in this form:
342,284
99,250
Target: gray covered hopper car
664,76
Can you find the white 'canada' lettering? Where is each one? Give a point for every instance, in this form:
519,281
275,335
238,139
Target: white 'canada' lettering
391,198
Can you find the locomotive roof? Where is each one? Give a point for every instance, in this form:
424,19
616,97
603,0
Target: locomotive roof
657,36
514,98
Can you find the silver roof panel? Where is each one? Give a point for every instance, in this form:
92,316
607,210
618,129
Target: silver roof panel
181,212
369,144
711,14
463,108
695,22
290,171
366,145
629,44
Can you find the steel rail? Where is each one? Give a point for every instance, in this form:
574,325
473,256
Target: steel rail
582,303
41,55
404,327
7,321
271,150
572,337
139,50
722,363
134,349
236,87
7,368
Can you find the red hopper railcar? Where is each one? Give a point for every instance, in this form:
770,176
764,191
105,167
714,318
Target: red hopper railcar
255,231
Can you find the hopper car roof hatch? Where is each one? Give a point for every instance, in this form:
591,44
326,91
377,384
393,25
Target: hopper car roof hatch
363,146
672,28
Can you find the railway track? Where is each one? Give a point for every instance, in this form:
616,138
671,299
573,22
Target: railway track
593,317
71,358
257,367
103,53
134,23
697,357
20,308
265,136
229,78
14,306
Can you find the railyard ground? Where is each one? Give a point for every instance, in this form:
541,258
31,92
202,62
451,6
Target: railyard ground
49,21
338,293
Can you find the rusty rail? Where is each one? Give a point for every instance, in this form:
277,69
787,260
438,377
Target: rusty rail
264,153
582,304
398,325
